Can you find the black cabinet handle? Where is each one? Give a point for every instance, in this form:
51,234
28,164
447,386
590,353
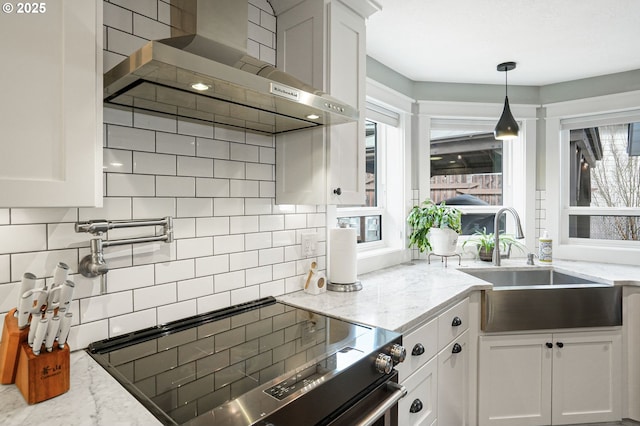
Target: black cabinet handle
416,406
337,191
456,348
549,345
418,349
456,322
560,345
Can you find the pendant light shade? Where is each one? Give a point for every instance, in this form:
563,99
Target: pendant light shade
507,127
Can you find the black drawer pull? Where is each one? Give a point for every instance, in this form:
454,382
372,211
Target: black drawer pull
560,345
418,349
549,345
456,322
416,406
456,348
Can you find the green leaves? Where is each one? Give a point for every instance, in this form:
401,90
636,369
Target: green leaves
430,215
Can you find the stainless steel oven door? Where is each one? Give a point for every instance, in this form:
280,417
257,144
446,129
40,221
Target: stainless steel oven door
377,407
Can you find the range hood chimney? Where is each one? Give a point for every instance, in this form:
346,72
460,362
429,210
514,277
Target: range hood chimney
203,72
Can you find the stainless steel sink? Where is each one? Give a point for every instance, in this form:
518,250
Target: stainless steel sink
541,298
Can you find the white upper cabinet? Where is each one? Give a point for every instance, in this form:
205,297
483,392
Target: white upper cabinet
51,105
323,44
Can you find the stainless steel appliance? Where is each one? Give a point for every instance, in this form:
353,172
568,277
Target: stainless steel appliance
260,363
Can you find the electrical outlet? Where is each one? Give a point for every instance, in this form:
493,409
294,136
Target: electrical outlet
309,244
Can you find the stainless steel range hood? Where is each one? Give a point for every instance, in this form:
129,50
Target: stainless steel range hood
204,73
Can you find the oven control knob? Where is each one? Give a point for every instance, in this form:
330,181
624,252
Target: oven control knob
398,353
384,364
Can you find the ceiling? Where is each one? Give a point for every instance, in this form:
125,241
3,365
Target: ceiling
462,41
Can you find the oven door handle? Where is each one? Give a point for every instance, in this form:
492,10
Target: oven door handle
399,392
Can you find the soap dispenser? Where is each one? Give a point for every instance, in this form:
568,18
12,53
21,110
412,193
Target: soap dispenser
545,248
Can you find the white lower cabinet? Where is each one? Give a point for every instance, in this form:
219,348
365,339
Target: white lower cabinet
453,382
419,406
550,378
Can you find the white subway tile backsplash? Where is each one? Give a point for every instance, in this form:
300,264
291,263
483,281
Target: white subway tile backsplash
123,43
174,271
114,114
212,226
214,302
123,279
157,295
271,256
171,143
213,148
243,224
130,138
149,208
268,21
258,240
164,12
228,207
175,186
260,206
113,208
284,270
194,247
259,275
22,238
317,220
292,284
260,34
131,322
245,294
260,140
292,253
5,262
244,260
192,166
110,60
156,164
244,188
42,215
184,228
81,335
228,244
197,287
64,235
267,155
150,29
273,288
162,122
144,7
284,238
254,14
229,134
244,152
260,171
4,216
267,189
117,161
195,128
105,306
267,53
228,169
195,207
272,223
176,311
126,185
206,187
117,17
212,265
229,281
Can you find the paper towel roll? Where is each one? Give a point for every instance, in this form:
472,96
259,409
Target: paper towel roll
343,262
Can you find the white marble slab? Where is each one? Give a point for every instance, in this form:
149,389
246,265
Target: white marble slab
94,398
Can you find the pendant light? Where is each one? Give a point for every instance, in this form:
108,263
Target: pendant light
507,127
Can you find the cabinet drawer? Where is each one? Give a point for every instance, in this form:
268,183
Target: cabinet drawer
421,395
421,346
453,323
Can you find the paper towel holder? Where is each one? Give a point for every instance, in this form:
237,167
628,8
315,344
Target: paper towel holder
344,287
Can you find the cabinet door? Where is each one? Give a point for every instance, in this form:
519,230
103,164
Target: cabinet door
587,373
346,81
419,406
515,380
453,382
51,104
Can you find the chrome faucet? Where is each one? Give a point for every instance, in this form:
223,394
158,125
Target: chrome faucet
496,232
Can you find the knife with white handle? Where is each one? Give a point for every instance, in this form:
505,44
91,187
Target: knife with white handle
28,283
66,294
24,309
59,277
40,332
42,299
35,321
65,326
52,331
52,297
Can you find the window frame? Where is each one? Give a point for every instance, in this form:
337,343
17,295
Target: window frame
561,117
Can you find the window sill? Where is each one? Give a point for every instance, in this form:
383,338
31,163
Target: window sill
373,260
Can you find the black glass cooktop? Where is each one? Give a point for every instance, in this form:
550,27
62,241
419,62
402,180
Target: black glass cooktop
186,368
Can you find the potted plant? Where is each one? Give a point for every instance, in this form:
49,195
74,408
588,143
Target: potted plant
434,227
485,243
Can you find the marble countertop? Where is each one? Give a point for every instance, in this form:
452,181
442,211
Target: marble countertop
397,298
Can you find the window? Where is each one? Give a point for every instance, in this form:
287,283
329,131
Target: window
604,182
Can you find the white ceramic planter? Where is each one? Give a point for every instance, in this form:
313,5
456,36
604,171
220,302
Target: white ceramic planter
443,241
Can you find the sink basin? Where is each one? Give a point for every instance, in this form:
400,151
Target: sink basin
541,298
529,277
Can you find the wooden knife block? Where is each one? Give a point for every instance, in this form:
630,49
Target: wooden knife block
44,376
12,337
